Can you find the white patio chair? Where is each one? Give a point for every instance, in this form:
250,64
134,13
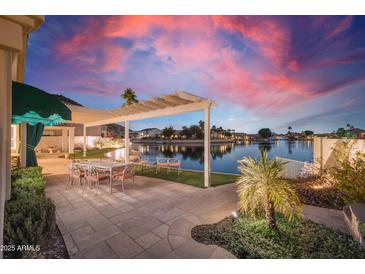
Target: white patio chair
75,172
175,163
162,162
96,176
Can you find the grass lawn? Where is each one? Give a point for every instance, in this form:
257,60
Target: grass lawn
250,238
193,178
91,153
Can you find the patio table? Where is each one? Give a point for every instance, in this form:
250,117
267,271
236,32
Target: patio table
108,165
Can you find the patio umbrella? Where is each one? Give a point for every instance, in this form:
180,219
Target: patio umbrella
37,108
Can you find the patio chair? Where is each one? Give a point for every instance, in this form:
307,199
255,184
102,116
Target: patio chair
161,162
168,163
75,172
96,176
123,173
175,163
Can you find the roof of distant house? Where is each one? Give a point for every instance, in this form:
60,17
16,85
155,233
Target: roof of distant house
147,129
357,130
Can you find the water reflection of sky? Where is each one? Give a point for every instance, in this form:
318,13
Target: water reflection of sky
225,157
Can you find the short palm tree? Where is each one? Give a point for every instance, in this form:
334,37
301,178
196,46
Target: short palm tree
129,96
261,188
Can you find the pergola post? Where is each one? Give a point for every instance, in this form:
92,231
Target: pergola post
23,144
71,140
84,145
207,168
64,140
126,141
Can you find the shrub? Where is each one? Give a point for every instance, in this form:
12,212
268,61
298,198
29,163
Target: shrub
29,214
27,181
349,173
250,238
29,220
29,172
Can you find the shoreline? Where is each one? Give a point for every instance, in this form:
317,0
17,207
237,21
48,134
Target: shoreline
183,142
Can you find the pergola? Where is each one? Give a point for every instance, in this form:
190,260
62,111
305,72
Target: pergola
176,103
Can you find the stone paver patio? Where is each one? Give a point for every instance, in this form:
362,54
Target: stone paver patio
151,219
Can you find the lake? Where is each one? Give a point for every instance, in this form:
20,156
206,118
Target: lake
225,156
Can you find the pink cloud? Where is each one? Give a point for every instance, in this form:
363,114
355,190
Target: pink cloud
193,54
342,26
272,38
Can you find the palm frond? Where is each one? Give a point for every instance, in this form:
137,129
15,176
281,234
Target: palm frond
261,182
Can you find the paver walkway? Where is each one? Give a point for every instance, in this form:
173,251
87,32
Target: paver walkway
152,219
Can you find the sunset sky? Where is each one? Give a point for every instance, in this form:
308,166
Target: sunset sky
303,71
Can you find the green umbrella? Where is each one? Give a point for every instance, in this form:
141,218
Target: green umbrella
37,108
33,106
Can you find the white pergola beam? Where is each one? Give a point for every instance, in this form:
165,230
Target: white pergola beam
138,107
175,99
189,96
162,102
152,105
192,107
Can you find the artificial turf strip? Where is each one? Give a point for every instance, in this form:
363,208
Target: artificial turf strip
94,153
192,178
246,237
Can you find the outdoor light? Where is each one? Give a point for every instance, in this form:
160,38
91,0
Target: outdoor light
234,215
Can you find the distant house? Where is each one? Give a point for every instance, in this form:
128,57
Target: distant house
149,133
359,133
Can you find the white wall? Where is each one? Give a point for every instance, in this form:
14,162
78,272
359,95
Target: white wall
292,168
323,150
56,141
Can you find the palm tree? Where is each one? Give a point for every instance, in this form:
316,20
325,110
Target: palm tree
261,188
129,96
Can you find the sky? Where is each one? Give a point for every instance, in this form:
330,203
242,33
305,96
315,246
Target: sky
307,72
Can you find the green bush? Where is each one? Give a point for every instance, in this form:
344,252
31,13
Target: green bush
250,238
27,186
349,173
29,172
361,226
27,181
29,220
29,214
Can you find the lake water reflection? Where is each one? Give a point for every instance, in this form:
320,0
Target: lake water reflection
225,156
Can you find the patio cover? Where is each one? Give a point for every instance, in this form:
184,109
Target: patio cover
176,103
166,105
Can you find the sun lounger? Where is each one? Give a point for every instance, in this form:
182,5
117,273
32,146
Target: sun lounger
168,163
